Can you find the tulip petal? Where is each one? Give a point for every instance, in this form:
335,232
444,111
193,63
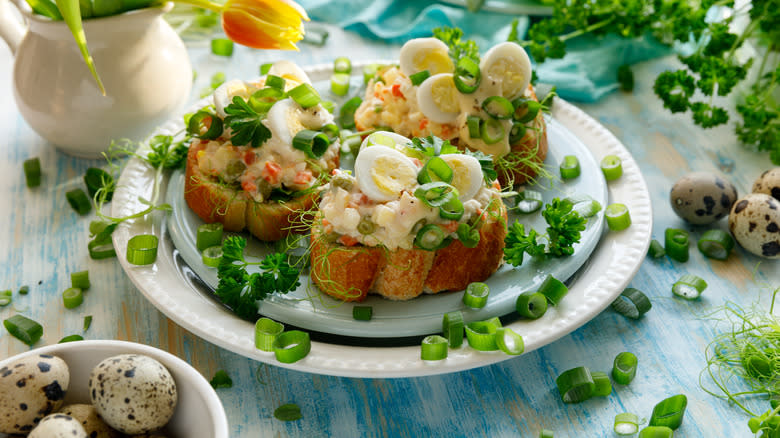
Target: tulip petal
264,24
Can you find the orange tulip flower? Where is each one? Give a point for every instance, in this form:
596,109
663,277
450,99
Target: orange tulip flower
264,24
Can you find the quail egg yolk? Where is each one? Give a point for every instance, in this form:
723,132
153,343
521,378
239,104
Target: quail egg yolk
391,176
435,61
445,95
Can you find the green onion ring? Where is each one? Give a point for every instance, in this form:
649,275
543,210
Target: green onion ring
419,77
612,167
624,367
452,209
435,194
222,47
265,68
716,244
266,331
509,342
476,295
452,328
95,179
71,338
212,255
24,290
481,335
468,236
517,132
209,235
274,81
689,287
570,167
339,84
196,124
291,346
305,95
433,347
553,289
626,424
632,303
435,169
32,172
142,249
618,217
575,385
362,313
342,64
474,125
467,76
528,201
498,107
313,143
24,329
79,201
603,386
546,433
347,112
80,280
430,238
531,305
656,432
656,250
676,244
491,131
6,297
525,109
669,412
263,99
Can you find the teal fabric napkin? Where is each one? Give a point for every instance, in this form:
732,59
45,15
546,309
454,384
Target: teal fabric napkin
585,74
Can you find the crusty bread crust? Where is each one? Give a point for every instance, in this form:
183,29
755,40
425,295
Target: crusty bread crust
215,202
351,273
533,146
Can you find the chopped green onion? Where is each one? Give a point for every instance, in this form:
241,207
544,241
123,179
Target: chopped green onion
509,342
468,236
669,412
313,143
87,322
198,121
221,380
263,99
546,433
288,412
525,109
419,77
305,95
575,385
24,290
276,82
24,329
570,167
689,287
95,179
716,244
72,297
265,68
632,303
71,338
467,75
474,125
436,169
656,250
531,305
32,172
528,201
369,71
430,238
222,47
618,217
553,289
347,112
217,79
491,131
315,37
452,209
498,107
452,328
656,432
603,386
433,347
80,280
476,295
612,167
266,331
624,367
362,313
339,84
342,64
142,249
482,335
584,205
626,424
435,194
517,132
676,244
291,346
5,297
79,201
212,255
328,105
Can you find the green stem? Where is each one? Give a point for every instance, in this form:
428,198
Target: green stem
205,4
588,29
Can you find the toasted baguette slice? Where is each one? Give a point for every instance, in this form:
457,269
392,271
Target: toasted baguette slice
351,273
215,202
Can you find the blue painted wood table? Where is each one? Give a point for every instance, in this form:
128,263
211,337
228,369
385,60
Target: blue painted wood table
43,240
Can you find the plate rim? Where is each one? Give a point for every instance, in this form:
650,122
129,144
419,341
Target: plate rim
383,362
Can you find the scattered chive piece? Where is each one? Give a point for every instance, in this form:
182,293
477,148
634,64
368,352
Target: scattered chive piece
528,201
347,112
420,77
481,335
362,313
217,79
584,205
87,322
212,255
570,167
433,347
476,295
689,287
498,107
509,342
716,244
342,64
291,346
669,412
288,412
531,305
72,297
618,217
209,235
80,280
626,424
32,172
339,84
624,367
632,303
274,81
24,290
305,95
24,329
452,327
328,105
656,250
656,432
676,244
612,167
313,143
221,380
266,331
369,71
95,179
5,297
142,249
79,201
71,338
553,289
575,385
315,37
603,386
264,68
222,47
546,433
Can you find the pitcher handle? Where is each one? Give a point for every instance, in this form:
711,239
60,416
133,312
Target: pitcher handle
11,28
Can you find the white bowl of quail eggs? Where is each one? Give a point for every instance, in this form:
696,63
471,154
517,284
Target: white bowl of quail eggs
106,389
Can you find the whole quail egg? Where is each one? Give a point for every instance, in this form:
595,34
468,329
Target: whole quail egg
755,223
702,198
769,183
31,388
133,393
58,426
93,425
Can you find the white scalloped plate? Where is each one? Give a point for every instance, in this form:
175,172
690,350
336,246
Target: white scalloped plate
170,285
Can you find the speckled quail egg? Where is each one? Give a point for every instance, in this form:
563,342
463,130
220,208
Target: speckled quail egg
133,393
58,426
755,223
425,54
702,198
89,419
149,435
31,388
769,183
383,173
438,98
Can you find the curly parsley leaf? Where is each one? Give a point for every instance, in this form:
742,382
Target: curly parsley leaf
518,243
459,48
433,146
486,163
246,124
675,89
564,227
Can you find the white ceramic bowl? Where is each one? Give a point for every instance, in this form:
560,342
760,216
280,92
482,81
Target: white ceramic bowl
199,412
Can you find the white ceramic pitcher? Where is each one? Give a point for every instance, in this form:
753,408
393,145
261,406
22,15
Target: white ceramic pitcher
141,60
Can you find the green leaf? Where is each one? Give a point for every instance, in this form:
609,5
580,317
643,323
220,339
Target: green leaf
221,380
288,412
246,124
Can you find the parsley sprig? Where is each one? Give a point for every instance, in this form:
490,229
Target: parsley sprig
459,47
246,124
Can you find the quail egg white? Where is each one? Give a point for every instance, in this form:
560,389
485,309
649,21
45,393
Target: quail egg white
58,426
383,173
754,221
467,174
386,138
769,183
223,95
290,71
31,388
506,65
425,54
89,419
439,99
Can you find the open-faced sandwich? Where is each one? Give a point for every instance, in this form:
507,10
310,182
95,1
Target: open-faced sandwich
488,105
417,216
260,154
